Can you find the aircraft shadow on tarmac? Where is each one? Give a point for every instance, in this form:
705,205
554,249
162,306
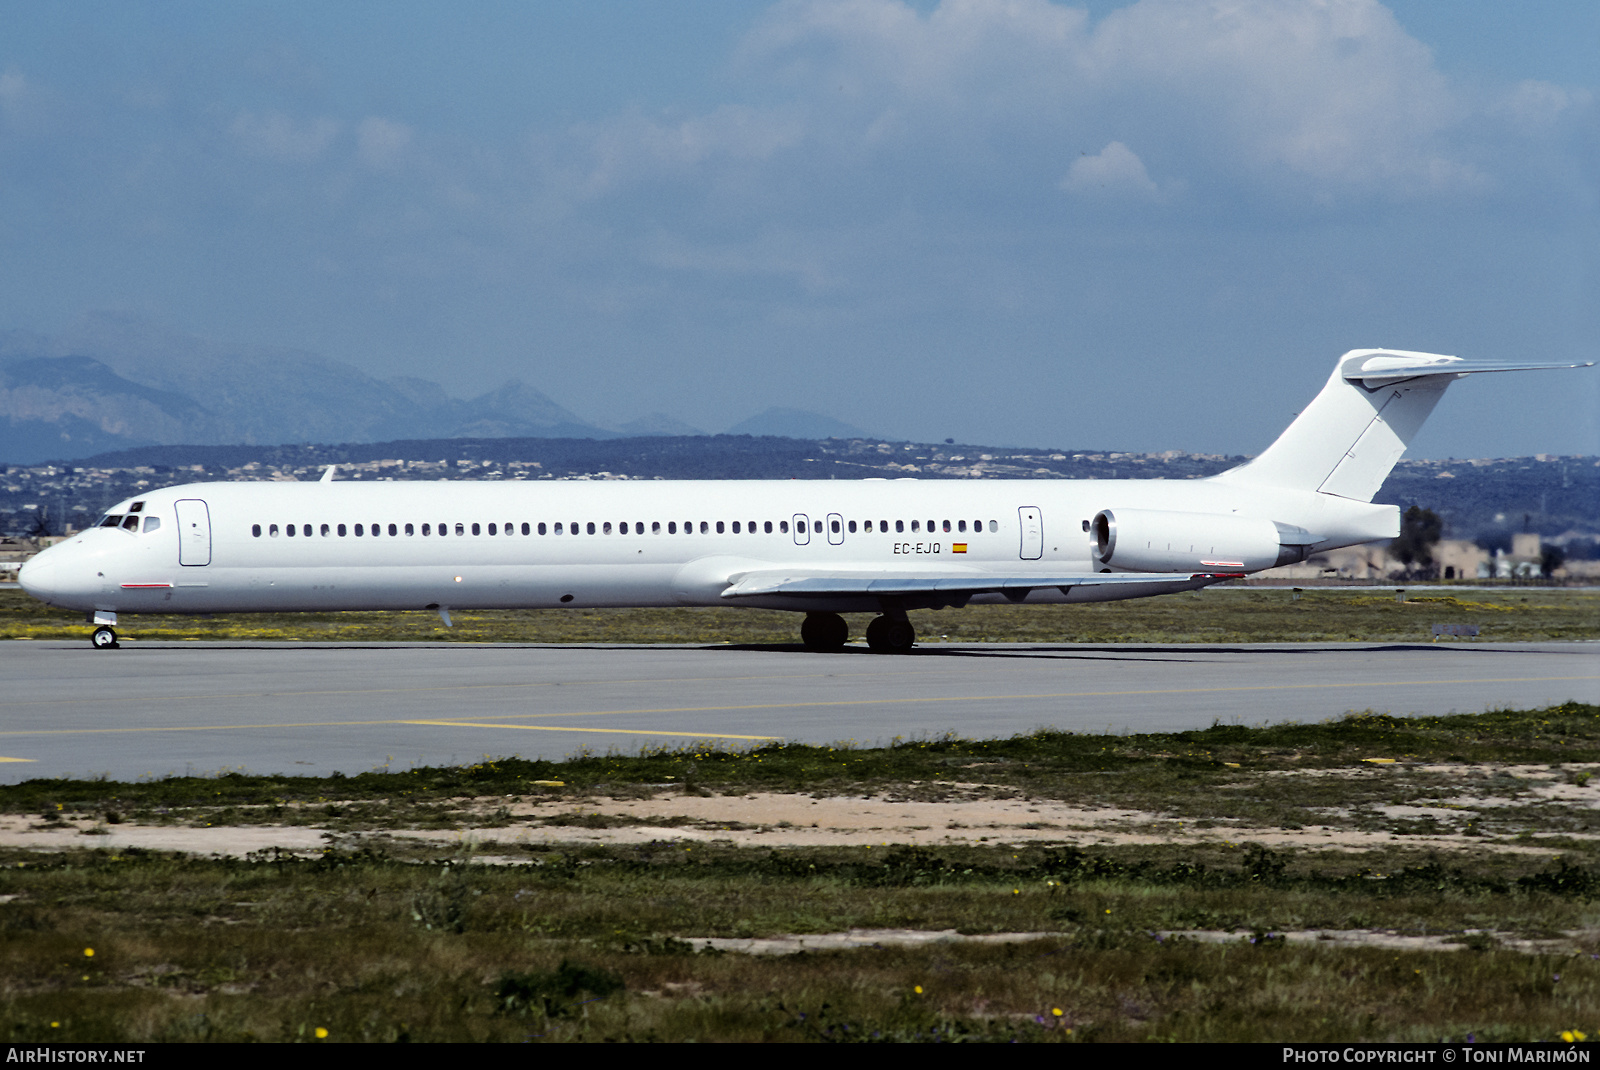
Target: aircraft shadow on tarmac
1135,652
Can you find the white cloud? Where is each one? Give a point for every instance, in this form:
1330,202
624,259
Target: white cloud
1539,104
276,136
1330,92
1116,169
634,147
381,141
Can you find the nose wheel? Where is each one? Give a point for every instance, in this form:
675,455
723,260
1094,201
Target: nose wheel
889,636
104,638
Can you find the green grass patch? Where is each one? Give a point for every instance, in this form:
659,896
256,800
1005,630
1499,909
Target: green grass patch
597,944
382,940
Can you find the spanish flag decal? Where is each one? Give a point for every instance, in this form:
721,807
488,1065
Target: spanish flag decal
958,547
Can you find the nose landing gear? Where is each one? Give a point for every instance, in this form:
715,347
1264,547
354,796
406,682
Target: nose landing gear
104,638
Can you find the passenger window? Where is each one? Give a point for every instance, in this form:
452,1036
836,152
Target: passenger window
493,530
288,529
325,530
272,530
961,525
947,525
993,526
783,526
605,528
767,527
558,527
705,528
914,526
427,529
461,529
527,530
852,526
655,527
541,527
589,527
834,525
341,531
476,530
410,530
719,527
817,526
376,529
255,529
672,527
735,527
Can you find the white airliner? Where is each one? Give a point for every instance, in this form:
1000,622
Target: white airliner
820,547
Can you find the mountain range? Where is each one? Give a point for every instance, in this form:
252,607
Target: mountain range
120,381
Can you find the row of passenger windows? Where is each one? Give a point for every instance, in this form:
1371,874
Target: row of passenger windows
837,526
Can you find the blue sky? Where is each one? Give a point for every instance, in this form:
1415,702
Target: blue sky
1135,227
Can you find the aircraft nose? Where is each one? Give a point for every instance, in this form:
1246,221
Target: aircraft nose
38,575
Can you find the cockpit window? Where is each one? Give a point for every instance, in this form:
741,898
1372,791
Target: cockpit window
151,523
132,523
111,520
136,507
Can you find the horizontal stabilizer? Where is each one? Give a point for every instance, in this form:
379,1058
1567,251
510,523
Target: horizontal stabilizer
754,584
1393,365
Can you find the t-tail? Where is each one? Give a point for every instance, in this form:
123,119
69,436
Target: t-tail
1348,439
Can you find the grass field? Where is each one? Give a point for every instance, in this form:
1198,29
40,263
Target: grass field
1504,614
380,938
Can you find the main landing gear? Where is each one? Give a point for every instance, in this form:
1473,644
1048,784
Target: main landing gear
885,635
824,631
104,638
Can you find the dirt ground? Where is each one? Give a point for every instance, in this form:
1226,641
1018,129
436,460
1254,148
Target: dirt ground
991,815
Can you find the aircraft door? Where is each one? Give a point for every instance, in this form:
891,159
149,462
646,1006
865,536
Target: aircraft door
835,529
802,529
194,532
1032,532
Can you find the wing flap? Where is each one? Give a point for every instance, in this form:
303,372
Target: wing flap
754,584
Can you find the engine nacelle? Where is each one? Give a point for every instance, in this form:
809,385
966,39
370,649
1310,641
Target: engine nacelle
1151,540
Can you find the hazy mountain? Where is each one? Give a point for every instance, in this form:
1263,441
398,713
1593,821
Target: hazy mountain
658,423
116,381
76,406
796,423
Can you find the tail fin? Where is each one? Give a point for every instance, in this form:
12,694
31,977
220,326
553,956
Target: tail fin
1348,439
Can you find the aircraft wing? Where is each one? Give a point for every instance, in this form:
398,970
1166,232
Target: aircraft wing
832,584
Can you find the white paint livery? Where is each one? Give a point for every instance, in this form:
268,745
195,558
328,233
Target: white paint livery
820,547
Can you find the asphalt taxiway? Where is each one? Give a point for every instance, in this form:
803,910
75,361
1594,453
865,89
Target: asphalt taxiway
157,708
